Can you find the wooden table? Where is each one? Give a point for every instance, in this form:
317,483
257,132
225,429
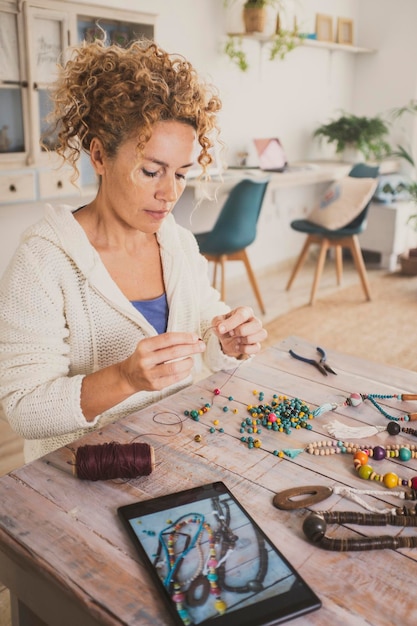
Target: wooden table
66,558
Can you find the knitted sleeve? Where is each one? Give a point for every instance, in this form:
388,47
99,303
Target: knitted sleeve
39,397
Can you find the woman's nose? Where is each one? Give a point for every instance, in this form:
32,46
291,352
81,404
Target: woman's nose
168,189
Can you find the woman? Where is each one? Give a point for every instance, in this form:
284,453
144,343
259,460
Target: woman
109,308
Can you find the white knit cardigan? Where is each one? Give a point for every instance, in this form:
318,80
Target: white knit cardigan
62,317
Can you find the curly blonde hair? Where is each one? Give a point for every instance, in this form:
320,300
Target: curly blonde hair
114,93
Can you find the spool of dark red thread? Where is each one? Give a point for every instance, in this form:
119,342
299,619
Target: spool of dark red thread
108,461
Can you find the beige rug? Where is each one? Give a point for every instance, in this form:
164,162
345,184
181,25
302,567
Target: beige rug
383,330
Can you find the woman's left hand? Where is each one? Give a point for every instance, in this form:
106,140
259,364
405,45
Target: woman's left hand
240,333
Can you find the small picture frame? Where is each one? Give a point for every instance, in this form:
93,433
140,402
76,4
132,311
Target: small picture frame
324,27
344,31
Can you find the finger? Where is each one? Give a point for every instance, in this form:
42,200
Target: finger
165,340
252,329
172,372
178,352
232,320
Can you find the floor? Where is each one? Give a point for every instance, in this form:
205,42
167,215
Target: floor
272,284
277,301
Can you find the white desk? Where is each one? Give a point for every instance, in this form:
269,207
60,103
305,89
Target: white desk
299,174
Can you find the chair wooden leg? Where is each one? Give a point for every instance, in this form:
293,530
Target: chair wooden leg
223,259
253,281
300,262
319,268
215,274
339,263
360,265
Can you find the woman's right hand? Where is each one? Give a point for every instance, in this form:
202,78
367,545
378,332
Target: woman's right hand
157,362
161,361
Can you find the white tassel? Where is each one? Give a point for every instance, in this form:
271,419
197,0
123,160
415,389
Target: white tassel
341,431
324,408
352,494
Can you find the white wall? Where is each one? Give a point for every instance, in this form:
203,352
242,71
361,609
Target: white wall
288,99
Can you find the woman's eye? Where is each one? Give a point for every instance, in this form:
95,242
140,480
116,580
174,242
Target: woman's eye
150,174
181,176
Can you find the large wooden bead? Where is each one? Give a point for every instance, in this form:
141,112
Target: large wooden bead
314,527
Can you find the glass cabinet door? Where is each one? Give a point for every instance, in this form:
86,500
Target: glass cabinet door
48,33
120,32
12,88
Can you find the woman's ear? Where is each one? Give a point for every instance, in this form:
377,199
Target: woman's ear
97,155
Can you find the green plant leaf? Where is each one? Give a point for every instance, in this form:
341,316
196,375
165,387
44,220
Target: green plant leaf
367,134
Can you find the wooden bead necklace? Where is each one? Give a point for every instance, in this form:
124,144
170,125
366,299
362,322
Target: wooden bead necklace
314,528
327,447
362,453
390,479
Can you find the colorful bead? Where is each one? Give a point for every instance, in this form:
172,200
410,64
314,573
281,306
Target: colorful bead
220,606
391,480
405,454
355,399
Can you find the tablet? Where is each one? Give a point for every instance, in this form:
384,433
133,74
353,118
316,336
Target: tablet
211,563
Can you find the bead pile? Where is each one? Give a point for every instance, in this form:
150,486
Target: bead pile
281,415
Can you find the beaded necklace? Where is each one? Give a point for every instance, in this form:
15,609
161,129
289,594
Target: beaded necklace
175,560
355,399
228,542
362,452
314,528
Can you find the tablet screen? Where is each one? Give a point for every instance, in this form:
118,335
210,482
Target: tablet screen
212,563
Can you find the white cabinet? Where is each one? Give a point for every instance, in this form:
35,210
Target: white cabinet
17,186
388,233
34,34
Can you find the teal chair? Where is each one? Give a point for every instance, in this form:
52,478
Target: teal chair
234,231
346,237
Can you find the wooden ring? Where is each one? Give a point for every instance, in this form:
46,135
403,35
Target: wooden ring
284,499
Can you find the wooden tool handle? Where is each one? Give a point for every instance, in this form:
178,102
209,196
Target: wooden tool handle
409,396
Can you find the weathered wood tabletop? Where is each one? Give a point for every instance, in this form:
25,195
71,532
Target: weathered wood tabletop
67,560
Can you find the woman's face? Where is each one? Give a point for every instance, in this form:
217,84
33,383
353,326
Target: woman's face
141,196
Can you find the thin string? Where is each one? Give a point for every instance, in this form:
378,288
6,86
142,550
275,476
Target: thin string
217,391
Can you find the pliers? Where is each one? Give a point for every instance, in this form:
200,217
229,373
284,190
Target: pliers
321,365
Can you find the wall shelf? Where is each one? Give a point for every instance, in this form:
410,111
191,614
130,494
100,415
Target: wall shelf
263,39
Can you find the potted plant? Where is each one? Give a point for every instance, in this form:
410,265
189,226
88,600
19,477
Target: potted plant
254,15
367,135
